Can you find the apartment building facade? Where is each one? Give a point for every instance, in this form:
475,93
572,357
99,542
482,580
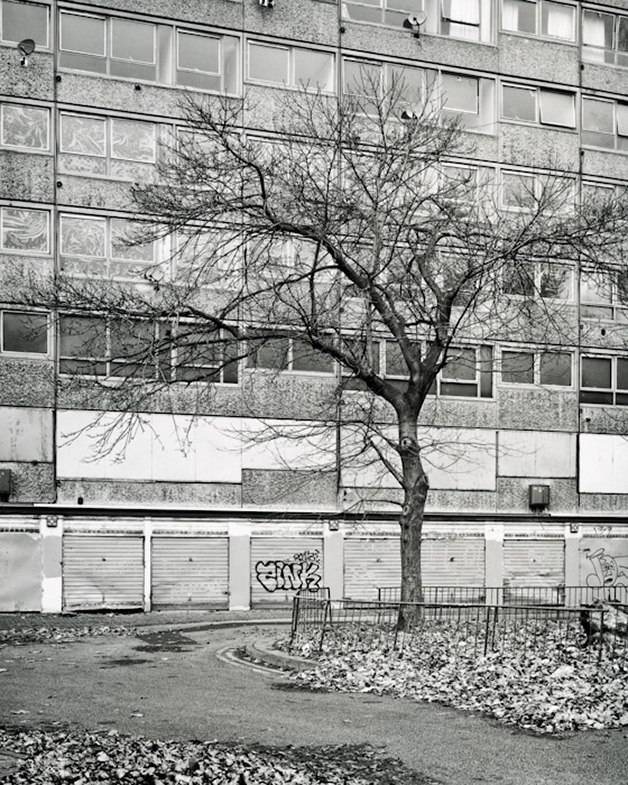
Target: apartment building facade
538,496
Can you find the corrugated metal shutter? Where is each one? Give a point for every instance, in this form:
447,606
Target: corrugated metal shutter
190,571
370,564
453,562
101,571
281,565
533,563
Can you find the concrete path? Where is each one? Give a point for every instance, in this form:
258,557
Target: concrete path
174,686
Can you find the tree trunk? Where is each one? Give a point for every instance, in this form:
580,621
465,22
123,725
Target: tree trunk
415,486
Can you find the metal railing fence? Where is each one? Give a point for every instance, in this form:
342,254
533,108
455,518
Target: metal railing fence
561,596
458,628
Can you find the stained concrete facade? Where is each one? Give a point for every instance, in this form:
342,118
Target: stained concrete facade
78,80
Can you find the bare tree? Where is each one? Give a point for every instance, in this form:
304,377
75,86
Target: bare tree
349,225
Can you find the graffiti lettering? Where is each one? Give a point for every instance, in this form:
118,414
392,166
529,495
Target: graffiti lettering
301,572
607,570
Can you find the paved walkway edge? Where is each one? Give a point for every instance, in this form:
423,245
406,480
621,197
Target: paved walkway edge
263,650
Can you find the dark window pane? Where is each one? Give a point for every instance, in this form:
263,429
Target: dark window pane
82,336
461,365
25,332
486,371
395,364
518,367
596,372
518,281
273,353
305,358
586,396
556,368
459,390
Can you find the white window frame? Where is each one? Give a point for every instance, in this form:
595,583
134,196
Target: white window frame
539,93
537,357
538,15
615,136
39,45
601,53
292,53
588,392
610,305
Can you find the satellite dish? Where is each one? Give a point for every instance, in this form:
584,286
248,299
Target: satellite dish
414,22
421,17
26,47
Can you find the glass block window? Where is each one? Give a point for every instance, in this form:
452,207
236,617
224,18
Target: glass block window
23,332
102,247
25,127
25,20
24,230
110,146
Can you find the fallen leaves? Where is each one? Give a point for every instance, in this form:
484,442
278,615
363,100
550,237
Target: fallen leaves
550,687
88,758
59,634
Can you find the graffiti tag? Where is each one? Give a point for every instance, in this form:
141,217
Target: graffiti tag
302,571
607,570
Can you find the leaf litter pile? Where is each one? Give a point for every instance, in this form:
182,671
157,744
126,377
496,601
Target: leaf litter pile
549,688
81,758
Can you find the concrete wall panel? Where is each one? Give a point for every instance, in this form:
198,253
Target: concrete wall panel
536,454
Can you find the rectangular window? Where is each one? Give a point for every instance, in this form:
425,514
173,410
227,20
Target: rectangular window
604,380
24,20
604,124
24,231
369,79
289,354
544,18
605,37
460,19
108,146
468,373
134,49
25,127
469,99
549,281
291,66
381,12
208,62
24,333
546,368
539,106
83,345
103,247
604,295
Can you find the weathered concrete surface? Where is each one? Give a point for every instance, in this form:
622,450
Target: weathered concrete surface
175,687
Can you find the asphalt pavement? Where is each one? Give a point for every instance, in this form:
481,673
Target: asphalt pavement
177,679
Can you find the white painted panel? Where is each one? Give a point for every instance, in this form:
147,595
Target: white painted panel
537,454
159,447
603,463
279,444
455,459
25,434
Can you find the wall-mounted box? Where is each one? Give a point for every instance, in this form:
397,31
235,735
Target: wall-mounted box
539,497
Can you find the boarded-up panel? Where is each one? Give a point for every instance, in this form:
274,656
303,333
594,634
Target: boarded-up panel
533,563
453,562
20,571
282,565
190,571
370,564
103,571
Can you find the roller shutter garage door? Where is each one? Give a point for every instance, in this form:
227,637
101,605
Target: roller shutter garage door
453,562
190,571
370,564
103,571
282,565
533,563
